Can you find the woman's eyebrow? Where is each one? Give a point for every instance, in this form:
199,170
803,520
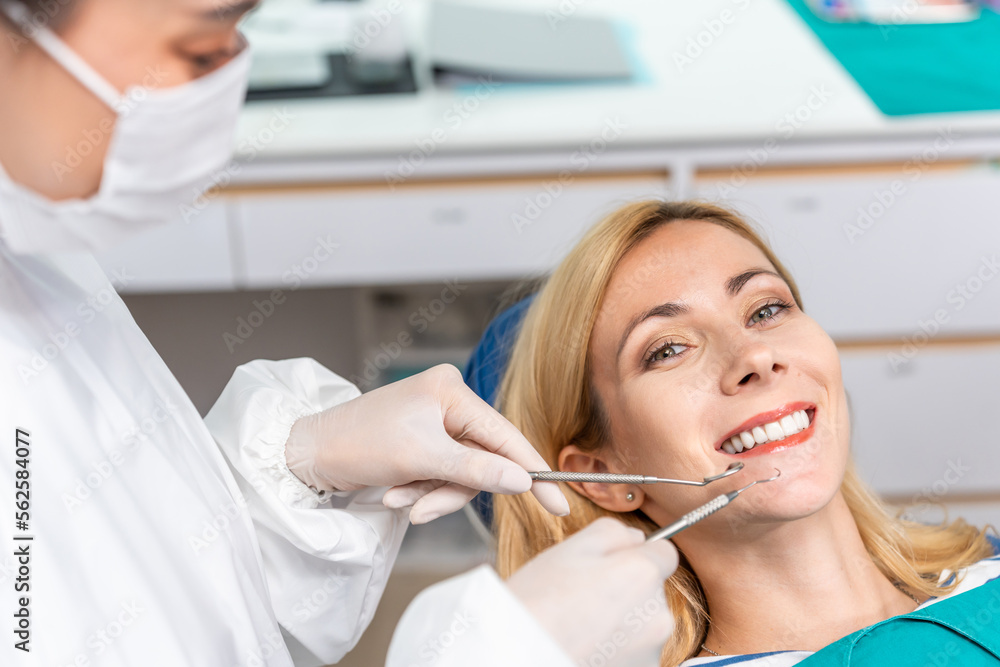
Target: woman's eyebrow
669,309
674,308
736,283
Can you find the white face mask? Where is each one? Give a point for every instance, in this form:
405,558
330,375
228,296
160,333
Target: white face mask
164,146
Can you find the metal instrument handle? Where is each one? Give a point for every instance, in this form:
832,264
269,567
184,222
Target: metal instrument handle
602,477
691,518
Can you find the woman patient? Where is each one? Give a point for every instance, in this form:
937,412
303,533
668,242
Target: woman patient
671,342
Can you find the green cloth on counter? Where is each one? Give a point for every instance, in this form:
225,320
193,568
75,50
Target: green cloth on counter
918,69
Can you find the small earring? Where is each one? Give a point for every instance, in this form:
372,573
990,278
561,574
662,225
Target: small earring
630,496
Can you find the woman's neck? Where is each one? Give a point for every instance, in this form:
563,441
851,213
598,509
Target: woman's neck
796,586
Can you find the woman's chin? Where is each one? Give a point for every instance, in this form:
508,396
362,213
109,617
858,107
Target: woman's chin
789,498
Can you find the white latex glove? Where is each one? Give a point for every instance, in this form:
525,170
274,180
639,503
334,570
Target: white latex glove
429,437
599,594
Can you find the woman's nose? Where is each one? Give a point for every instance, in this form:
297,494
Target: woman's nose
751,362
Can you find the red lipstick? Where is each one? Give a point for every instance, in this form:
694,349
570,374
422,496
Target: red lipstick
767,418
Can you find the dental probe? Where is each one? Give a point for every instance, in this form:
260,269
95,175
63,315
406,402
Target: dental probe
709,508
615,478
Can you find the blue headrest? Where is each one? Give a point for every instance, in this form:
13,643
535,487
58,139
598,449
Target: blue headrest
485,370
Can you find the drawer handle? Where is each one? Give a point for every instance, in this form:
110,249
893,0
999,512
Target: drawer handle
448,216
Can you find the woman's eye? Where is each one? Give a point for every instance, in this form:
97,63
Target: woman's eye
666,352
767,312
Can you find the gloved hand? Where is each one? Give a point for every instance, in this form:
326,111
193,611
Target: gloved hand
429,437
600,593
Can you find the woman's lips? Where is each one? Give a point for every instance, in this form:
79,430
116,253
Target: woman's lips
760,424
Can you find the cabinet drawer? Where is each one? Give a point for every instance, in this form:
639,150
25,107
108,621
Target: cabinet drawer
929,431
179,257
878,252
504,230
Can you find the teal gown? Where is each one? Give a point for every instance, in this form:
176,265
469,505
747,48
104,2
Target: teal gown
960,631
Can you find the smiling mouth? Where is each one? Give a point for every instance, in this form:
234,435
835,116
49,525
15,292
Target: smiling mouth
782,428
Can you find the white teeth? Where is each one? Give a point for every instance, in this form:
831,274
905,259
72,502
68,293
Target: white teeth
789,426
758,435
774,431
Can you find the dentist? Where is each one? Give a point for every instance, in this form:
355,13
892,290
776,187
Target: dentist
133,531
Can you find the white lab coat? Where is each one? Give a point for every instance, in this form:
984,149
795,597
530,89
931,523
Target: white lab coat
162,539
153,545
472,619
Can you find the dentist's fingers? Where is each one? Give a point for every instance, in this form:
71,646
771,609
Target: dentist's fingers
605,561
430,426
439,497
477,469
469,418
429,499
407,494
550,496
662,553
444,500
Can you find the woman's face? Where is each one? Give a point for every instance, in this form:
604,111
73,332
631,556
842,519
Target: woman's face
697,341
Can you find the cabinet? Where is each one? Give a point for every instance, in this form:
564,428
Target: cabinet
425,232
882,252
193,255
927,433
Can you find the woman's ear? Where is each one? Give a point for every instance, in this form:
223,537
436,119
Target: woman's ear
612,497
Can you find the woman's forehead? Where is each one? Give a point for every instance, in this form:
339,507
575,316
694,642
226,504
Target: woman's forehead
682,256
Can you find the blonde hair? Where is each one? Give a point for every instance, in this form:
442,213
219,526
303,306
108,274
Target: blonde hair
546,392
